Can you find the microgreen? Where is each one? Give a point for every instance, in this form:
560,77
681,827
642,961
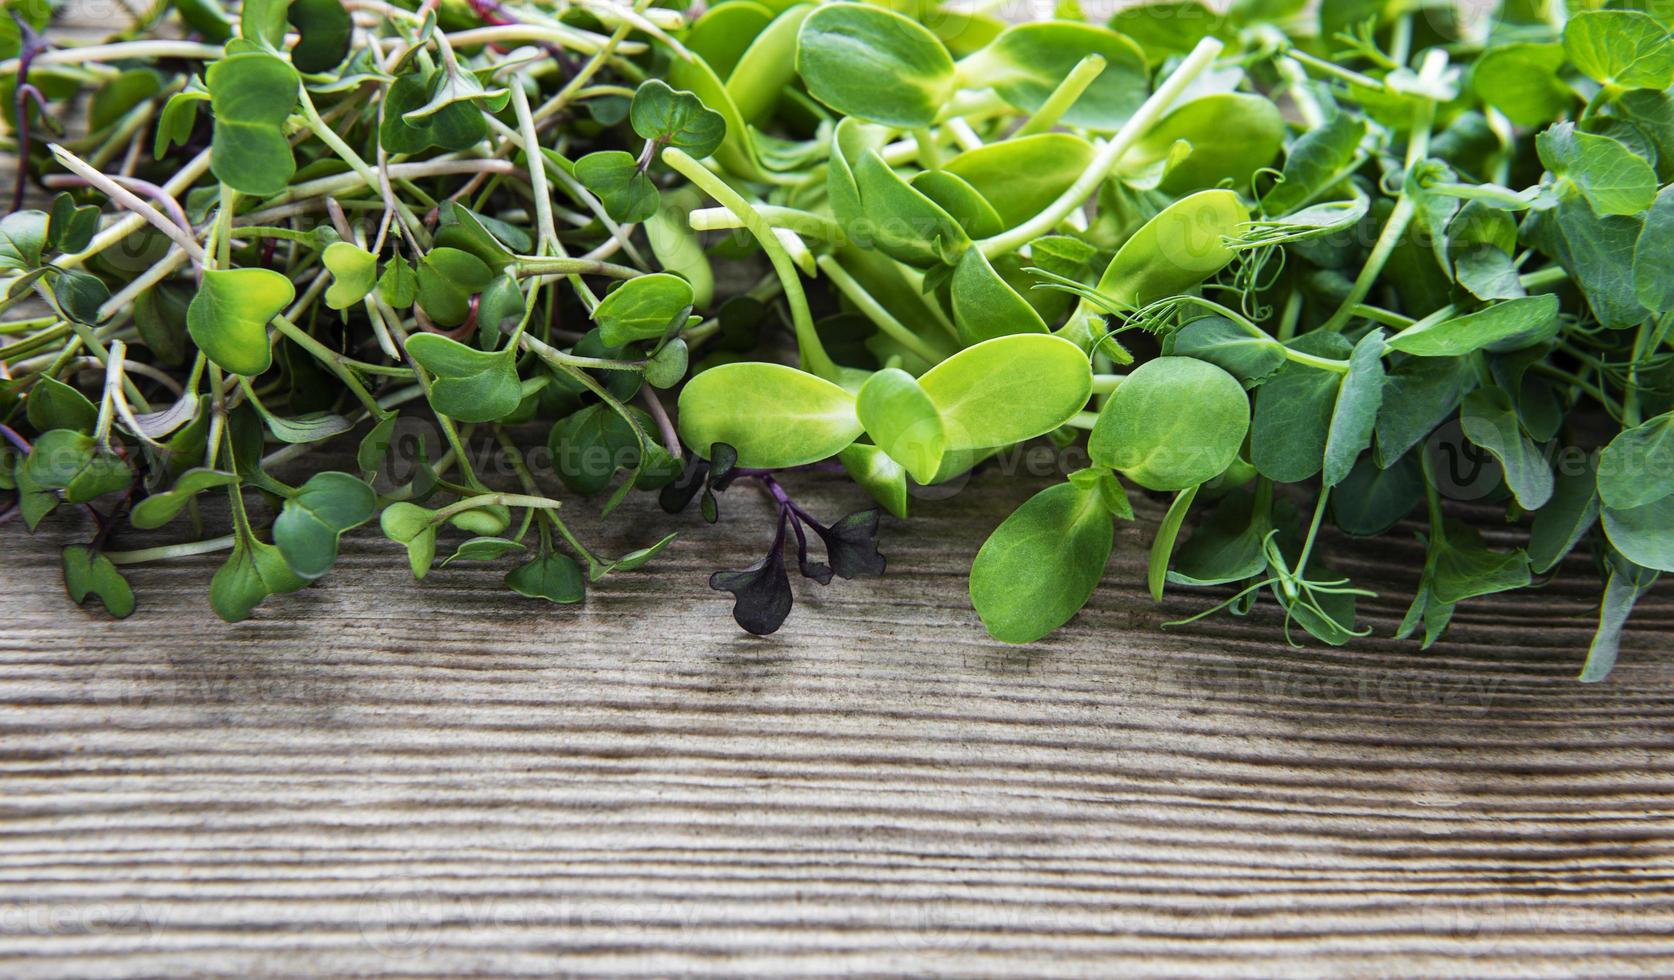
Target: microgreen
1351,261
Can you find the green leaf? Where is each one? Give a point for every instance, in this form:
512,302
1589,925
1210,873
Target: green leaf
228,317
876,472
456,126
1624,48
23,236
1293,413
553,576
1251,358
52,404
1372,499
1227,546
325,28
874,64
89,572
470,385
1509,325
1176,422
1626,584
1356,411
76,463
625,191
1176,250
1008,389
1489,419
1026,63
255,571
415,527
482,549
80,296
590,446
1488,273
1226,136
1636,467
310,524
1598,252
1019,177
775,416
678,119
1566,518
1653,255
177,120
1522,80
306,428
447,279
251,95
900,418
398,286
643,308
1316,160
985,306
70,228
354,271
955,195
1041,565
667,367
1608,174
161,508
263,22
1465,568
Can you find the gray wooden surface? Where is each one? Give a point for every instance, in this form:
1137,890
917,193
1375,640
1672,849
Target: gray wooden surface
378,776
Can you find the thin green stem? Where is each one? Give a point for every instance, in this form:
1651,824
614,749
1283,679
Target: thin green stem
1085,72
814,356
1105,160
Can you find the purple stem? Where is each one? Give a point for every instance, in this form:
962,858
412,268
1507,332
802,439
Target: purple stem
33,44
18,442
671,440
163,198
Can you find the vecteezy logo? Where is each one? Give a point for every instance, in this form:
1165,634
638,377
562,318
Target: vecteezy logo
1462,469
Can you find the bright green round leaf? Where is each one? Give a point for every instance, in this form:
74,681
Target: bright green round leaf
1175,250
1020,177
775,416
354,271
625,191
1227,136
985,306
1042,564
874,64
1637,467
1008,389
902,420
1174,423
228,317
643,308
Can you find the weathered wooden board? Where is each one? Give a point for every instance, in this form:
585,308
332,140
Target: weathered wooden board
379,775
382,776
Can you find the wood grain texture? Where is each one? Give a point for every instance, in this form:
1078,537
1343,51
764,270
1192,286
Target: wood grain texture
378,776
383,776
